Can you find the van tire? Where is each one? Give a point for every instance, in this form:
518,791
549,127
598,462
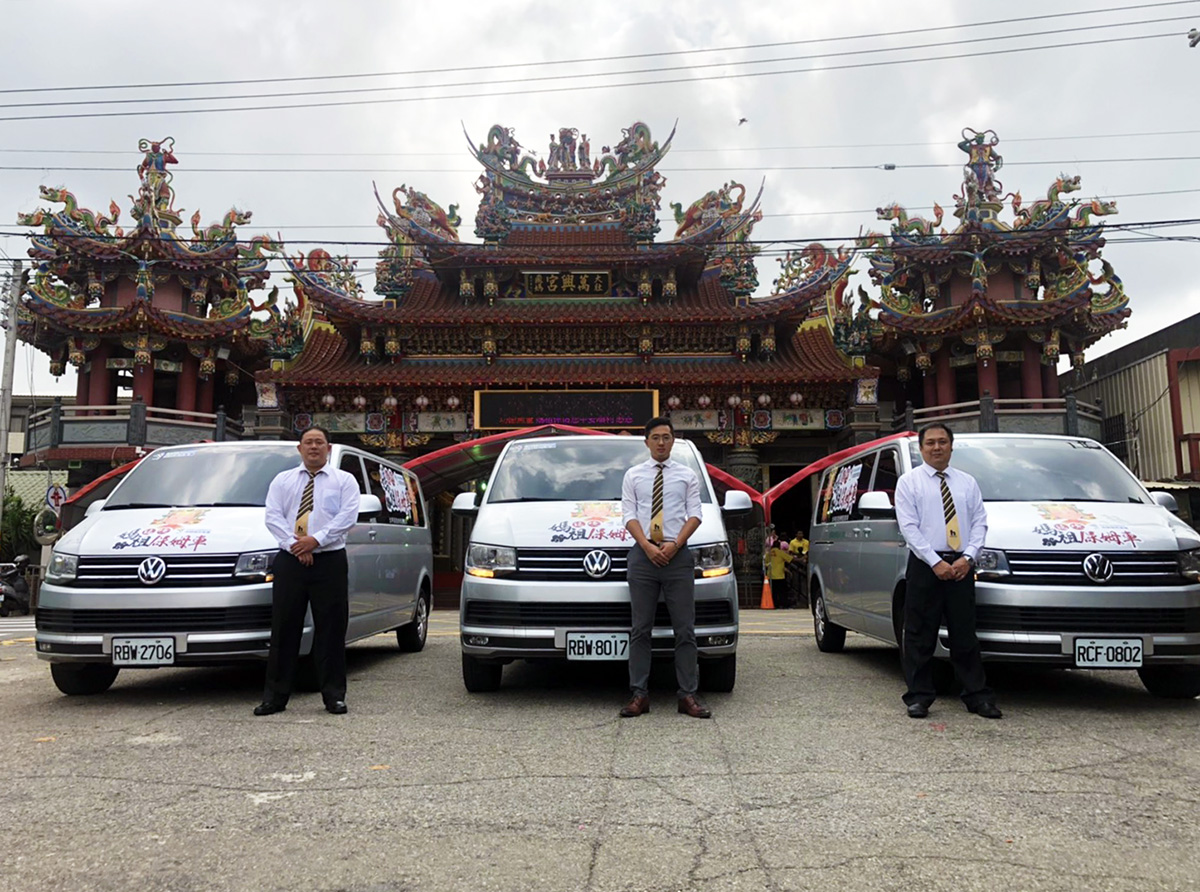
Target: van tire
1172,682
831,638
481,676
718,675
75,679
411,636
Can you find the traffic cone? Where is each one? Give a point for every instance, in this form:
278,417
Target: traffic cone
768,603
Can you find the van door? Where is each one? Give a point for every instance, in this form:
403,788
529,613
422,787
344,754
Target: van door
882,550
392,595
360,550
416,539
840,540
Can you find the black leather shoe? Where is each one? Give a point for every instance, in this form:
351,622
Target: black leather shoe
987,710
337,707
690,705
918,710
265,708
638,705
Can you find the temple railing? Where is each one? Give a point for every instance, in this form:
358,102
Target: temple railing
132,424
1064,415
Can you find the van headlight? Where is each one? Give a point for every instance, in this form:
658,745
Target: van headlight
487,561
255,565
713,560
62,567
1189,564
991,564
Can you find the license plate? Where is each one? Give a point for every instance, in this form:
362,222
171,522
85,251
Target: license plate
1108,653
143,651
597,645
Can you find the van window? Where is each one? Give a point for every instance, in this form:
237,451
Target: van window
587,469
396,491
204,477
886,473
843,485
351,463
1043,469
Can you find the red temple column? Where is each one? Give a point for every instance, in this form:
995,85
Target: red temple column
98,393
81,387
989,378
185,396
945,378
204,399
929,380
1031,374
1050,381
143,384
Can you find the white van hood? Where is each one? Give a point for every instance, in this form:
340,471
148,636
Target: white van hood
567,524
164,531
1084,526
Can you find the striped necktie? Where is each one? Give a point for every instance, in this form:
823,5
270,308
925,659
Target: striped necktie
656,509
953,537
306,506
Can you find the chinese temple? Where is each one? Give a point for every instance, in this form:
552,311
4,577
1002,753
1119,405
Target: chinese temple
569,309
151,310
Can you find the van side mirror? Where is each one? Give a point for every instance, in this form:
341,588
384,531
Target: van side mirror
464,505
369,503
94,507
1166,500
737,503
876,504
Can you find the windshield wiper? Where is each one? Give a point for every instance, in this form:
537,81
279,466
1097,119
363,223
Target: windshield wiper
108,507
224,505
529,499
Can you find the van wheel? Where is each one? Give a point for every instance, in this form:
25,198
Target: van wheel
718,675
83,678
831,638
1173,682
411,636
481,676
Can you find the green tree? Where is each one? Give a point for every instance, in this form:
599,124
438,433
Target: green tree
16,537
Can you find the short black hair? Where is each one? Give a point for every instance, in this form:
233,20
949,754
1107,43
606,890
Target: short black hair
659,421
316,427
934,426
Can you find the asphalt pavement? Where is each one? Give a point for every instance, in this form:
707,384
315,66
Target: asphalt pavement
809,776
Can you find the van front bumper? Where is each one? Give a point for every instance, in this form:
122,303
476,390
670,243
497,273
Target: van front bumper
514,619
1040,624
208,625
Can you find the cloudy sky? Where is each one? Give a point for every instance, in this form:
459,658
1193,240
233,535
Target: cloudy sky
831,93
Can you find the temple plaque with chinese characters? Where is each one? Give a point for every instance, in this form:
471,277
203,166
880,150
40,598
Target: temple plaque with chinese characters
573,282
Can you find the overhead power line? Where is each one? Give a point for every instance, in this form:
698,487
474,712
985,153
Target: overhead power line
558,63
346,103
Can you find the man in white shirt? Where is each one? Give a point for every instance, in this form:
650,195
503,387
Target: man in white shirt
660,500
943,520
310,509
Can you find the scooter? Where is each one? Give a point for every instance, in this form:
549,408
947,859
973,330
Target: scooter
14,590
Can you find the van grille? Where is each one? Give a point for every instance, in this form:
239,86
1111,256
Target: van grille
566,564
1121,620
201,619
582,614
1151,568
183,571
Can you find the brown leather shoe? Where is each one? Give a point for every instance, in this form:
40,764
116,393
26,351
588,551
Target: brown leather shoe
635,707
689,705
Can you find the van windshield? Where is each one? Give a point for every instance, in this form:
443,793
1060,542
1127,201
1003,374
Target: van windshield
1053,469
203,477
584,470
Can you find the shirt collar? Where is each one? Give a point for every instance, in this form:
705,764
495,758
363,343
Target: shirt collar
651,463
931,471
303,470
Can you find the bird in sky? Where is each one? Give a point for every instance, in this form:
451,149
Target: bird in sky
742,121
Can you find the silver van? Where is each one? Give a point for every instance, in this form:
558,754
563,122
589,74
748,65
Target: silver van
174,568
1082,566
545,565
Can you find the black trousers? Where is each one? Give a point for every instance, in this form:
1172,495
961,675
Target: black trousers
929,600
324,585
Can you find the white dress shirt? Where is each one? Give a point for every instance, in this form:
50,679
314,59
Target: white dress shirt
335,506
923,520
681,496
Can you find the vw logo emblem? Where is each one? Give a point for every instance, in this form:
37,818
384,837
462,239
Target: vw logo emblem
1097,568
152,570
596,564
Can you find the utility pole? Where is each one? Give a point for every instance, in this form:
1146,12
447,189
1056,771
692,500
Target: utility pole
6,382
